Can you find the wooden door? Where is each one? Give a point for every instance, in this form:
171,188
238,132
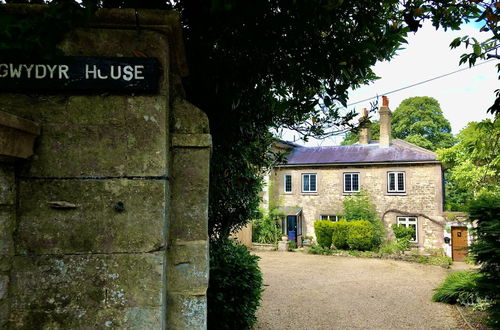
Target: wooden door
459,243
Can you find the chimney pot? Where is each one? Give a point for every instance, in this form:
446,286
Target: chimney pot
385,123
385,101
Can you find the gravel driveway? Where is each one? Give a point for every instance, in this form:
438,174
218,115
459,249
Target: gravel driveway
330,292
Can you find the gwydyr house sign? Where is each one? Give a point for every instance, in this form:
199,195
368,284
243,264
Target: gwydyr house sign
83,74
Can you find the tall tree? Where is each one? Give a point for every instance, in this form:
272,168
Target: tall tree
473,163
420,120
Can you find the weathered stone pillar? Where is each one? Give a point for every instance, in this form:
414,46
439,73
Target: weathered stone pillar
17,137
188,245
113,174
7,225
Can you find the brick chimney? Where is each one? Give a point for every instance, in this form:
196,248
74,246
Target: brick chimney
385,123
365,135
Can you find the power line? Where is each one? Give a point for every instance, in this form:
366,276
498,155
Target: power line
420,83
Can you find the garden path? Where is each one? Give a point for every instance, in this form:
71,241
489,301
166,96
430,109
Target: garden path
330,292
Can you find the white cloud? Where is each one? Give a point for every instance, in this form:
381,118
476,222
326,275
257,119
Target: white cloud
463,96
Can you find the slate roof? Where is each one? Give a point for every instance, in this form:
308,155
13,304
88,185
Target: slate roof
399,151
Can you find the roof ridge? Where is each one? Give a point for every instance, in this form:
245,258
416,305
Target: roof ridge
414,146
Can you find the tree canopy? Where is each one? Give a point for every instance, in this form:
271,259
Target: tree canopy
418,120
473,163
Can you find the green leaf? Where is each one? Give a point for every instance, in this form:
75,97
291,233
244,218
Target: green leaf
477,49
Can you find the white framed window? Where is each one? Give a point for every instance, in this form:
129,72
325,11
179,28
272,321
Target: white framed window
351,182
329,217
309,182
287,180
409,222
396,182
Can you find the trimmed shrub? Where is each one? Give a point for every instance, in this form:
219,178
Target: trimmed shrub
339,234
360,207
486,248
361,235
235,286
459,287
323,230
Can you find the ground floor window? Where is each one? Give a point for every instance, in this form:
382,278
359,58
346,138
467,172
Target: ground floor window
409,222
329,217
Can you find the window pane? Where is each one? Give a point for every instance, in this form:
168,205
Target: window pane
288,183
323,217
355,182
312,182
414,226
347,182
306,182
392,183
401,181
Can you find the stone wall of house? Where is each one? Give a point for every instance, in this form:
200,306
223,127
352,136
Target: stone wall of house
7,226
106,225
423,197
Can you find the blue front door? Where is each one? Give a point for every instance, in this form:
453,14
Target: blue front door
291,221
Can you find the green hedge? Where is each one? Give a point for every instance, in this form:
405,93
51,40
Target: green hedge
339,235
353,235
361,235
323,230
485,209
235,286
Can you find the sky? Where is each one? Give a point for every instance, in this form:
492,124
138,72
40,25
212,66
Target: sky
464,96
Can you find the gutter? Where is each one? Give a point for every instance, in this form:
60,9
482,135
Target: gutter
360,163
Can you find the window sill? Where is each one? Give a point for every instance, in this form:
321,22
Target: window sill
350,193
397,194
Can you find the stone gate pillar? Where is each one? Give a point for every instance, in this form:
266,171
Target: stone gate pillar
110,227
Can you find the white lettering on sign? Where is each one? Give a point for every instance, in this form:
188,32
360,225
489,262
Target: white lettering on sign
51,70
138,72
4,72
128,73
38,71
81,73
63,71
116,72
29,68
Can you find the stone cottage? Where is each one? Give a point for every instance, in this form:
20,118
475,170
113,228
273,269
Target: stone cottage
404,181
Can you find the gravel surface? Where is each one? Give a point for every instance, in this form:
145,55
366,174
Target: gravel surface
329,292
